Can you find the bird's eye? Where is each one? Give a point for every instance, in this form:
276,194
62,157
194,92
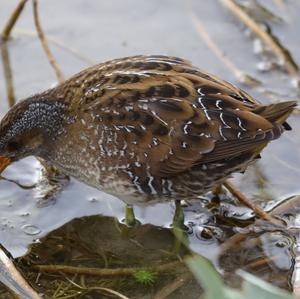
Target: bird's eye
13,146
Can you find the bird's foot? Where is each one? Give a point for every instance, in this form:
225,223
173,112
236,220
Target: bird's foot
217,191
130,219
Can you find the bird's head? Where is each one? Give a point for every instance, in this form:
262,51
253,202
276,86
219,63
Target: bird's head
28,127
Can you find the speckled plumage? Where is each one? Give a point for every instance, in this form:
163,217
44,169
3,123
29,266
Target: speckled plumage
145,128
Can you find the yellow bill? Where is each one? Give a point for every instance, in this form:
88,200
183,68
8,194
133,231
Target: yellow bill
4,162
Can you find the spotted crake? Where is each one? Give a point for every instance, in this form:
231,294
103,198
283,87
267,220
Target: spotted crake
144,128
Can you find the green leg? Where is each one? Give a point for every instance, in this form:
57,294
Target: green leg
178,219
179,229
130,220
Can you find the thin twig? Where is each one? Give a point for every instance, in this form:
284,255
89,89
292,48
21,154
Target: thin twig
260,262
173,286
247,202
12,20
107,290
4,51
45,45
64,289
267,37
231,242
7,73
58,43
104,272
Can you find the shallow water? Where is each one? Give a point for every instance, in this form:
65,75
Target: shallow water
83,32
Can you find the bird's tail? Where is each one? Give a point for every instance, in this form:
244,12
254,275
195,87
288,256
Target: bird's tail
277,113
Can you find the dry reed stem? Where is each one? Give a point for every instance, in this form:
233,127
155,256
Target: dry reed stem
102,289
45,44
7,73
247,202
107,290
5,34
12,20
103,272
231,242
170,288
290,65
241,76
58,43
260,262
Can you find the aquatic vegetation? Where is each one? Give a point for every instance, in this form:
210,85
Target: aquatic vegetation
145,277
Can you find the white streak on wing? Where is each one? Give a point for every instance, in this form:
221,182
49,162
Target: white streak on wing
218,104
185,129
128,108
199,91
143,106
156,115
155,141
240,124
153,191
170,131
124,146
130,174
204,108
127,128
170,184
137,184
163,182
186,126
223,121
221,133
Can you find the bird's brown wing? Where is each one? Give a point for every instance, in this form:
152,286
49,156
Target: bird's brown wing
167,115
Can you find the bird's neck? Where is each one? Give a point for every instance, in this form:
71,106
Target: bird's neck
49,116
